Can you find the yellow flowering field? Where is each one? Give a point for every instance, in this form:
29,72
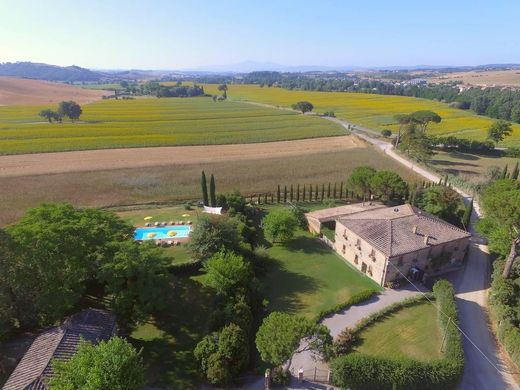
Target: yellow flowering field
373,111
155,122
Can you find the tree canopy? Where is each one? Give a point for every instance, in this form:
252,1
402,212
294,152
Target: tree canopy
279,337
226,272
499,130
280,225
501,223
360,179
388,185
442,202
112,364
211,234
70,109
303,106
424,117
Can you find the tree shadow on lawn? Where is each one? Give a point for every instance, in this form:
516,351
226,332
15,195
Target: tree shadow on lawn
308,245
174,333
283,288
448,162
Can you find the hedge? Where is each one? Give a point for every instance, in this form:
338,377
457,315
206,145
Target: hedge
353,300
357,370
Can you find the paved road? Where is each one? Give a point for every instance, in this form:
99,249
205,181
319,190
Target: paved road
484,364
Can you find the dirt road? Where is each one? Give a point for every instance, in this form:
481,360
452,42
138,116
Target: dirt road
94,160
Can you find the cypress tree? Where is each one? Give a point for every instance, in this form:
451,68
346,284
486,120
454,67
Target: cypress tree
278,194
204,188
298,193
291,195
258,199
446,180
328,192
412,196
285,194
440,181
516,171
310,193
303,193
212,195
341,190
272,198
316,193
265,198
504,172
466,218
322,191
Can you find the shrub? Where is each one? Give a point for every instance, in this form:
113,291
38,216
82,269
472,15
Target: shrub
343,342
280,225
386,133
280,377
187,205
353,300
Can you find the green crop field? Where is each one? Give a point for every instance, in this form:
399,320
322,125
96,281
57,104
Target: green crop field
373,111
155,122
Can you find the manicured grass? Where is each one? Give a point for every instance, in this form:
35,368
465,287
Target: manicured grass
175,182
470,167
169,338
373,111
155,122
411,332
306,277
178,254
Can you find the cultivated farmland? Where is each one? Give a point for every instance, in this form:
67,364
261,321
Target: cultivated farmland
155,122
373,111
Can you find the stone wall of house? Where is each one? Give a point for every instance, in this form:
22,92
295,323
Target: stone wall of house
453,252
359,253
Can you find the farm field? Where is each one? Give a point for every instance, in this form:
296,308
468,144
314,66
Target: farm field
509,78
18,91
155,122
411,332
176,182
373,111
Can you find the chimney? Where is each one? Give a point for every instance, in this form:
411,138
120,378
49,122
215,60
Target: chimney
414,229
426,238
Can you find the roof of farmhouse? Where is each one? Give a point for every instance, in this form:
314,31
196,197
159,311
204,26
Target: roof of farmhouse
60,342
391,230
341,211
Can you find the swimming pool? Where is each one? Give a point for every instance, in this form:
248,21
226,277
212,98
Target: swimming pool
161,233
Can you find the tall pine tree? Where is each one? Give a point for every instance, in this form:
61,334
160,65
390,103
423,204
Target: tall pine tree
204,188
212,194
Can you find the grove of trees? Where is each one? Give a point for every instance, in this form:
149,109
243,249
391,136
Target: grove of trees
69,109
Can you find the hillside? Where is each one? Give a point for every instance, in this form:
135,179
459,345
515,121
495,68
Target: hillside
48,72
16,91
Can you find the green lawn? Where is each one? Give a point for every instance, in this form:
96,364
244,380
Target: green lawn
168,340
155,122
410,332
178,254
306,277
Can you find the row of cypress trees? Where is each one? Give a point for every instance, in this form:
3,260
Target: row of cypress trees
212,199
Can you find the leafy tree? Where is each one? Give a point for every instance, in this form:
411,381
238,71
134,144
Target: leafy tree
416,144
48,114
60,248
303,106
388,185
112,364
233,202
402,119
223,355
137,280
8,290
223,88
501,205
386,133
442,202
499,130
212,196
360,179
204,189
70,109
278,338
211,234
424,117
226,273
280,225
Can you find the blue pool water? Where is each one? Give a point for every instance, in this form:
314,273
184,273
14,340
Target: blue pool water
162,232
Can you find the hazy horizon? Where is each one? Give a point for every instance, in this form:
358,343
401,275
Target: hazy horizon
174,35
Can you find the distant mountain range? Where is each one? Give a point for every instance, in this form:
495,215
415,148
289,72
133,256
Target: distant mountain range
74,73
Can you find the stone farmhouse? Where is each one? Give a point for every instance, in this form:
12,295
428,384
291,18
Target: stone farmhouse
35,367
389,243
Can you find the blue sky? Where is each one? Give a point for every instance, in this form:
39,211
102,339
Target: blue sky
162,34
